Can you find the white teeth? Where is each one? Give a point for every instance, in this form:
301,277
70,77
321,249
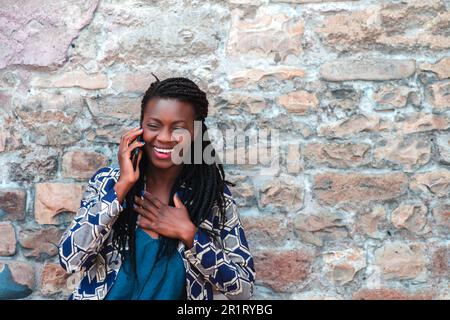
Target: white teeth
163,150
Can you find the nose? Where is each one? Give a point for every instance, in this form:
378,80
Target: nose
165,137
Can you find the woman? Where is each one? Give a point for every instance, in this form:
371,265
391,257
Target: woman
164,230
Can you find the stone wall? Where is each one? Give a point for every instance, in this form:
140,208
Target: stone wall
359,91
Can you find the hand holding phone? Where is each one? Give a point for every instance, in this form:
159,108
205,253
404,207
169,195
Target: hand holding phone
129,155
134,156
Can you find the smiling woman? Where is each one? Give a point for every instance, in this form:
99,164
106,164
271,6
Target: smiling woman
164,230
161,120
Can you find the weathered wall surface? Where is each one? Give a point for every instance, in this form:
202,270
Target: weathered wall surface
359,91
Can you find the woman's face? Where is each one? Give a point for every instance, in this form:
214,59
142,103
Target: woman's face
163,122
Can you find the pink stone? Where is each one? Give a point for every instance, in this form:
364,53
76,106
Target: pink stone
40,32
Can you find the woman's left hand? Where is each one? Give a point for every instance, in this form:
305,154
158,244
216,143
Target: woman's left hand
171,222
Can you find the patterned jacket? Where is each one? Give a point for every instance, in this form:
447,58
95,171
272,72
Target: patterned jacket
214,264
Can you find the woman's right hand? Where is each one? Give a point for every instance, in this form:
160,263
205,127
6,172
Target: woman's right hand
128,143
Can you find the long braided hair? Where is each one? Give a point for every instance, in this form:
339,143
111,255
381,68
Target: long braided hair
207,181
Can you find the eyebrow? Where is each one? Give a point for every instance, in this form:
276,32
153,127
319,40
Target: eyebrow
177,121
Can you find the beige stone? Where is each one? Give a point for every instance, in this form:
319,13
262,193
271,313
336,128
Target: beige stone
264,230
284,194
282,270
367,69
56,113
54,279
440,95
299,102
333,188
132,81
435,183
390,98
351,126
75,78
52,199
409,152
320,227
41,243
370,222
29,118
342,266
351,29
243,78
411,216
115,106
344,155
237,102
399,260
81,164
285,123
7,239
421,122
243,192
134,35
429,33
269,34
441,68
107,130
407,25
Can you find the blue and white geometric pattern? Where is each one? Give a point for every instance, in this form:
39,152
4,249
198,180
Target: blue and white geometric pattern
222,263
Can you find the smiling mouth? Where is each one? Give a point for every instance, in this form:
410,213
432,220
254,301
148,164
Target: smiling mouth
161,150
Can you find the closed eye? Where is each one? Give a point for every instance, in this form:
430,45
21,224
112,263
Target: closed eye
155,126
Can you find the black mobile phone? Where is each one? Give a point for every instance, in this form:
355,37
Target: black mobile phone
134,155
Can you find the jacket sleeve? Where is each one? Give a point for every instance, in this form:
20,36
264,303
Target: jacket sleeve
92,224
226,262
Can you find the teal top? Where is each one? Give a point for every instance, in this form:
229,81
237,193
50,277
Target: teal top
162,279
